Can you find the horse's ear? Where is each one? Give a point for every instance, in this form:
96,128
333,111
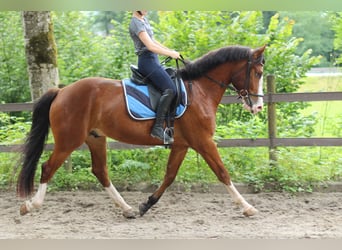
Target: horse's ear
258,52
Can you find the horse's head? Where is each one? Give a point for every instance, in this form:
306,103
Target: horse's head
249,84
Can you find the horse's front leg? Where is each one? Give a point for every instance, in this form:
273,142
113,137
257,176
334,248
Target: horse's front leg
210,153
175,159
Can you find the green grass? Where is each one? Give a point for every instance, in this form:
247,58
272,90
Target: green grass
322,84
329,113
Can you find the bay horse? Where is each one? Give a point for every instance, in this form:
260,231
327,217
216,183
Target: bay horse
92,109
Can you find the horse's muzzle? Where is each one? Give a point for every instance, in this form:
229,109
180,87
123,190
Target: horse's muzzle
254,108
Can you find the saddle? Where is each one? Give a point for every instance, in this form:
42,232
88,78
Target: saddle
138,78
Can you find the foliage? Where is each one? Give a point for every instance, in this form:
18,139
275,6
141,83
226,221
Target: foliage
298,169
336,19
289,70
218,28
12,128
80,178
214,29
83,53
299,126
141,165
13,74
315,29
7,169
253,128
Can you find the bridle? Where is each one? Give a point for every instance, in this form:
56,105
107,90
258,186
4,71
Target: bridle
242,93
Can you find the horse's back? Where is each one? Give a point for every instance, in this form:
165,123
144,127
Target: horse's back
89,85
82,92
79,103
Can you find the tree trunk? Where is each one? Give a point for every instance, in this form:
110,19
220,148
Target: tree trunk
41,52
41,55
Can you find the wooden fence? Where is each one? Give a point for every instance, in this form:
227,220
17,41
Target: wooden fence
271,98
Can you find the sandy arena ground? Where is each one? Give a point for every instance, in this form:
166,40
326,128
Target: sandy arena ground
177,215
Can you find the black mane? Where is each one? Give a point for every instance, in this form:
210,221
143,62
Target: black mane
212,59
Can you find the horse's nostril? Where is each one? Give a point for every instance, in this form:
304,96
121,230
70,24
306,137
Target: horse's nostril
259,108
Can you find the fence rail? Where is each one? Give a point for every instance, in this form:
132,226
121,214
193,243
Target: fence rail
283,97
271,142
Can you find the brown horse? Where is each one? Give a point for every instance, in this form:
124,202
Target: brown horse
92,109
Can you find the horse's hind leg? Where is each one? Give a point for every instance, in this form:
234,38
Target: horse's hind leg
97,147
48,170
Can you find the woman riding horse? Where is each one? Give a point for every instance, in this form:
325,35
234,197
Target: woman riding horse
147,49
92,109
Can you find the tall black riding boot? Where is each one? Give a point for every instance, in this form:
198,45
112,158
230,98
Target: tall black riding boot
158,127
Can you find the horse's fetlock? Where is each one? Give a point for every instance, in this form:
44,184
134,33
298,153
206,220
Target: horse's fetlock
37,204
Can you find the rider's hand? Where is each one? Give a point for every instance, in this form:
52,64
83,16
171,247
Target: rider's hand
175,54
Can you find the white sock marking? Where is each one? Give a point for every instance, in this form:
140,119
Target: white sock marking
115,195
237,197
38,199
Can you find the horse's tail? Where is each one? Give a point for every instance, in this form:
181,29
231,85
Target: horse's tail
35,142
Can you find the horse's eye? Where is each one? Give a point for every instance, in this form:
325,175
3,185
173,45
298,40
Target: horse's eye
258,75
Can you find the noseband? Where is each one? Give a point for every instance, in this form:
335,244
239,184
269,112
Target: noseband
242,93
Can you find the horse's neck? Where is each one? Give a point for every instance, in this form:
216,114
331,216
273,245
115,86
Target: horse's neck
214,86
207,91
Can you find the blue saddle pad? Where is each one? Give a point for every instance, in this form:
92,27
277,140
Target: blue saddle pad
138,101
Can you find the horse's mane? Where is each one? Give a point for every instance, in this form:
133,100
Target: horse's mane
212,59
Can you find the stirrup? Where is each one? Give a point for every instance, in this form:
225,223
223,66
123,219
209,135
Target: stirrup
168,133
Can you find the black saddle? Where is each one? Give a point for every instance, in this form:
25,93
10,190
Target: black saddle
138,77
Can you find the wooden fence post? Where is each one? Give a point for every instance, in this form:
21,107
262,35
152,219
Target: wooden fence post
272,120
68,164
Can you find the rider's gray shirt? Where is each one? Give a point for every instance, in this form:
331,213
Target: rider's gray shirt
135,27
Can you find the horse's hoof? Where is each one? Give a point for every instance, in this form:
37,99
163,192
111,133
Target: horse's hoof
130,214
250,211
23,209
143,209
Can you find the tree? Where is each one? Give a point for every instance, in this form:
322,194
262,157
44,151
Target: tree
81,53
336,19
41,52
14,85
315,30
103,22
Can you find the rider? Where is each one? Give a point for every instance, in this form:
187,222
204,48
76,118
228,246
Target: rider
148,49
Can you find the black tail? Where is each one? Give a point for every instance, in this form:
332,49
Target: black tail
35,142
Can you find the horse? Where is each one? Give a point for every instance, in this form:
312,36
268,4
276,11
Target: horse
93,108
